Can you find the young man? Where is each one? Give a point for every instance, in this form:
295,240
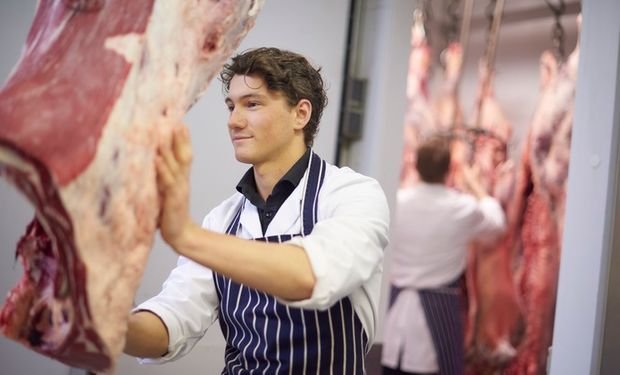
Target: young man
291,263
433,228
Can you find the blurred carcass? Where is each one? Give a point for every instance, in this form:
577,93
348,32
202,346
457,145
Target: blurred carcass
494,310
536,214
447,106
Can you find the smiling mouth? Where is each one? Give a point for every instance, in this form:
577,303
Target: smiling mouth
240,138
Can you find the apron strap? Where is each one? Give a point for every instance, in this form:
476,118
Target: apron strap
234,223
309,203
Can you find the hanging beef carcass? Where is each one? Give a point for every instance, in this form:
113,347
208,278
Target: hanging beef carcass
419,118
98,85
426,117
494,310
536,214
448,111
447,107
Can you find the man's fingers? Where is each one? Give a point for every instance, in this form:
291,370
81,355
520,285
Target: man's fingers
168,156
164,174
173,158
182,146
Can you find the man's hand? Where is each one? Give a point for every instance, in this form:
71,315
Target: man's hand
471,179
173,162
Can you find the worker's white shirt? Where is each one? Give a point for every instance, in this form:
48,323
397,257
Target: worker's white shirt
433,227
345,250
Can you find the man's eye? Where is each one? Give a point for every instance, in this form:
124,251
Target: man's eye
252,104
230,108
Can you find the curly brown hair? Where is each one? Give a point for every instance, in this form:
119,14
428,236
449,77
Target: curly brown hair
285,72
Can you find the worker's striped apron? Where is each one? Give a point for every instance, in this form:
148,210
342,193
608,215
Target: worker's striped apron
264,336
442,310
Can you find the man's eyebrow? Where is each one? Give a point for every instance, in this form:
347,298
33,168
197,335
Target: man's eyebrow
228,99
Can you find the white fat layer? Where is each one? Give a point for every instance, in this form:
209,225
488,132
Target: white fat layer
129,46
12,159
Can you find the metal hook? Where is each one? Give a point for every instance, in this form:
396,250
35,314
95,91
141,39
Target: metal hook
492,28
489,11
558,10
557,32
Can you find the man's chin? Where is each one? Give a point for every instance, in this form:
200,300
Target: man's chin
245,159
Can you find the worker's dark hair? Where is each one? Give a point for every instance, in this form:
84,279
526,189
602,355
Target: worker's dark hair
433,159
287,73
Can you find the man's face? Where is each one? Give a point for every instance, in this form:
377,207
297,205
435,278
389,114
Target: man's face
261,123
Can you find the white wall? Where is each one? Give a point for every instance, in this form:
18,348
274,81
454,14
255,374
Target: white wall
316,29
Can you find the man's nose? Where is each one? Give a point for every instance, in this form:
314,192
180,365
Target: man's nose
235,119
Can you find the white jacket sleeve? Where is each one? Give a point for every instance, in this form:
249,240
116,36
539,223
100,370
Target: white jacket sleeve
187,305
346,245
491,221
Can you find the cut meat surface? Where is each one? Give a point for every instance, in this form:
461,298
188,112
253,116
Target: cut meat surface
99,84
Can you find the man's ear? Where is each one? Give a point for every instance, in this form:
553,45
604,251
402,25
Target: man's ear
303,112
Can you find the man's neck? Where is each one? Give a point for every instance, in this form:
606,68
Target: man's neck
269,173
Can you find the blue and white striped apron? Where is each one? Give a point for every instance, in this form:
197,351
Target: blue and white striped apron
264,336
442,310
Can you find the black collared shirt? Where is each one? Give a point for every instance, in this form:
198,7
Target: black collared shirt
281,191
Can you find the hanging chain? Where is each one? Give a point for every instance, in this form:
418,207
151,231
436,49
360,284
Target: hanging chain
428,19
489,13
494,13
428,10
454,19
557,32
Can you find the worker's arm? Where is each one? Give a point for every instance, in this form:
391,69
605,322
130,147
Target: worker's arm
490,220
147,336
278,269
471,179
281,270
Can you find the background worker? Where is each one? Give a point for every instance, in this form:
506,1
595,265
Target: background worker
433,228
